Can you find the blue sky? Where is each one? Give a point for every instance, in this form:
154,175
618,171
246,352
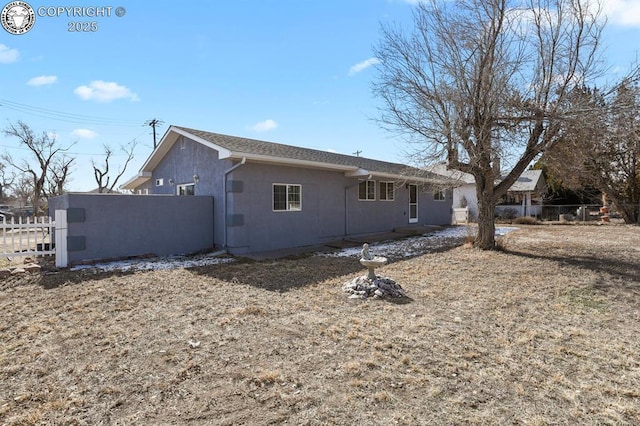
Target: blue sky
289,71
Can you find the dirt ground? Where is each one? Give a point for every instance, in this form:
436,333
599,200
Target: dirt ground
543,332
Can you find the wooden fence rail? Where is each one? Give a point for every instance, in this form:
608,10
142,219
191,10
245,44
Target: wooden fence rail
33,236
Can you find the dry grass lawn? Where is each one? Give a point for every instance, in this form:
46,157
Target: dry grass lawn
544,332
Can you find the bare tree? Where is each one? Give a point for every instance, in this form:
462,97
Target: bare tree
44,150
603,151
102,174
479,81
23,190
6,180
58,176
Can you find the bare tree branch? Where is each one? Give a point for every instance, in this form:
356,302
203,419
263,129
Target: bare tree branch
102,174
479,81
44,149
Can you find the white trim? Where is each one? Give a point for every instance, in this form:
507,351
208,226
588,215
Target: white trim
184,186
288,208
417,216
136,181
386,192
374,182
62,254
172,135
357,173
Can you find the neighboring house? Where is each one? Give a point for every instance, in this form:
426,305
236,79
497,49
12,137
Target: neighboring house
524,197
270,196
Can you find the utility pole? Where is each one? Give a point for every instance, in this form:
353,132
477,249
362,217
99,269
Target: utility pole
153,123
357,153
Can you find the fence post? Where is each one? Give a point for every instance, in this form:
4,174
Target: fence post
62,255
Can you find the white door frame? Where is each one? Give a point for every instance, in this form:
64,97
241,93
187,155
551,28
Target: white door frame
413,203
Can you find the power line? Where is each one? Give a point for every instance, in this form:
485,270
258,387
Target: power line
64,116
73,153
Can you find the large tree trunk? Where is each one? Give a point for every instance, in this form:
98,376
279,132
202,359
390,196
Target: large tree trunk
485,239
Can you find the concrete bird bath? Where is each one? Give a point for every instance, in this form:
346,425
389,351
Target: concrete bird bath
371,262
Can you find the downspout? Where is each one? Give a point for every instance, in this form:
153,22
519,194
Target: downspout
346,204
224,200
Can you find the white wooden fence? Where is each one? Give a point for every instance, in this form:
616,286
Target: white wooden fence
31,236
38,236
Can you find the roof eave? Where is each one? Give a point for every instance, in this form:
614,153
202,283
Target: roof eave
260,158
140,179
169,139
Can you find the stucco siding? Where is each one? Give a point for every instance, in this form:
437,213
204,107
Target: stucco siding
321,217
330,209
243,215
186,159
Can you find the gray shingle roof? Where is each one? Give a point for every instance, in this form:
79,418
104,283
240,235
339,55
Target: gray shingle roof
528,181
239,145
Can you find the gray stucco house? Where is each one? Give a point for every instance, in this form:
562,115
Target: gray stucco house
271,196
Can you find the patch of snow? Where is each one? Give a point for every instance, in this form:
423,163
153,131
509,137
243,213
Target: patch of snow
155,264
415,246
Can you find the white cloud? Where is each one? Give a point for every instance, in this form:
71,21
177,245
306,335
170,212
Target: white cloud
363,66
105,91
623,12
265,126
84,134
42,80
8,55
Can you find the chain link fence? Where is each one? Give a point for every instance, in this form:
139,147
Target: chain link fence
581,213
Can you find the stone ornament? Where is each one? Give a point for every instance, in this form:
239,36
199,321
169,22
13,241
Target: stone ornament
372,285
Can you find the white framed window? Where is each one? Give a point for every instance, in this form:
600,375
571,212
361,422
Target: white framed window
287,197
367,190
159,182
386,191
440,195
142,191
186,189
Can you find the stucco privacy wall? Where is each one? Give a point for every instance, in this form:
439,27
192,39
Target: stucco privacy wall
105,226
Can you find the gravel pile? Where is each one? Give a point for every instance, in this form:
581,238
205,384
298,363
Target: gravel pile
362,288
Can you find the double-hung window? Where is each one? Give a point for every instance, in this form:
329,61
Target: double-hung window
386,191
287,197
367,190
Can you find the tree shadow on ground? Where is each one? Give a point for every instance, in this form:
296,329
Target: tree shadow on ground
53,279
282,275
626,270
285,274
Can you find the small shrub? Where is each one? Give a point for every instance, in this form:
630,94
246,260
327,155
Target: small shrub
525,220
